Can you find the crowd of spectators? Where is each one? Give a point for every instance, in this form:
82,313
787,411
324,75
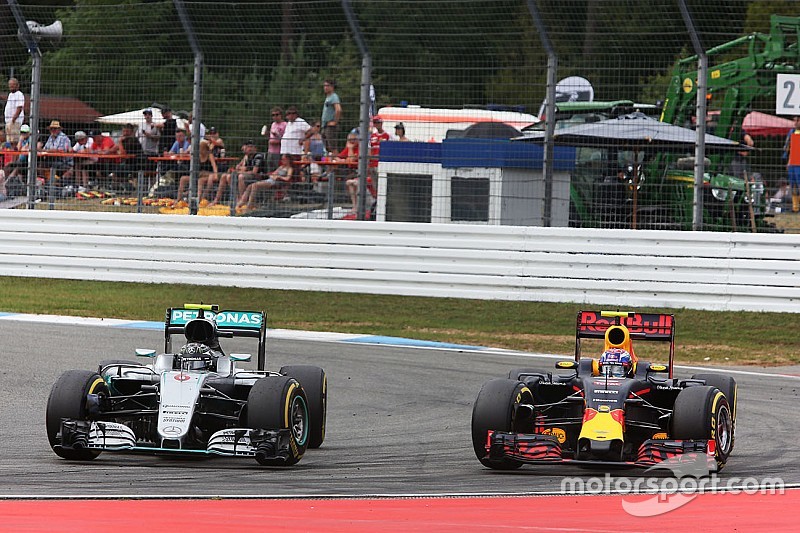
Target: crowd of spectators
297,151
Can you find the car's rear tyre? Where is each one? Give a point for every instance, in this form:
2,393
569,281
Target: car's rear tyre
495,409
68,400
702,413
278,402
729,388
315,385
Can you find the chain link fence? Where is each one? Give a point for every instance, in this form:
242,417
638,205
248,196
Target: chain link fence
461,78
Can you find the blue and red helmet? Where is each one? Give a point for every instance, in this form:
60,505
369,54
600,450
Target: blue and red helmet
616,362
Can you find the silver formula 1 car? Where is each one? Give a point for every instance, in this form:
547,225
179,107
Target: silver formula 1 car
194,400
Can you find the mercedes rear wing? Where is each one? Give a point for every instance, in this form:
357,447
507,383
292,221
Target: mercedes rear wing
230,323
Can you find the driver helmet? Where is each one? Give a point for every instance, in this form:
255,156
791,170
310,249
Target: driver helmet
615,362
194,356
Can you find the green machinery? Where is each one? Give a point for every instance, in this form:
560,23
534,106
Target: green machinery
665,188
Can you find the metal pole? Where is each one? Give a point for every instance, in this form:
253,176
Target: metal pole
36,58
700,143
364,118
550,112
197,95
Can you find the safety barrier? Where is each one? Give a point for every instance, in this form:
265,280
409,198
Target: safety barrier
716,271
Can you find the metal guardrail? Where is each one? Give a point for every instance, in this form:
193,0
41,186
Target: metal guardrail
699,270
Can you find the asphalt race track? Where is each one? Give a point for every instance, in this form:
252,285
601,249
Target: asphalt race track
398,424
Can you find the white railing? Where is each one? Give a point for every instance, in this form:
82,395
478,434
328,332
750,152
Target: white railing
718,271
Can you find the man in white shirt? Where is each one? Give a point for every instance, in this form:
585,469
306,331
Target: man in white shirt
297,130
15,110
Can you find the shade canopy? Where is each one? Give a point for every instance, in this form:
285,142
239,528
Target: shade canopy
759,124
636,130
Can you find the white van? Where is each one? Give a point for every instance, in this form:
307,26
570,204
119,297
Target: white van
425,124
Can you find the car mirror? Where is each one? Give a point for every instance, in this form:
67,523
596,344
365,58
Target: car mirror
240,357
145,352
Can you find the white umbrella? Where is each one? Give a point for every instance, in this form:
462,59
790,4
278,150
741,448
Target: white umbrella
136,117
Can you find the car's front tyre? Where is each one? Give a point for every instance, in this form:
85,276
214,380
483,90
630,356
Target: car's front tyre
68,399
315,385
495,409
278,402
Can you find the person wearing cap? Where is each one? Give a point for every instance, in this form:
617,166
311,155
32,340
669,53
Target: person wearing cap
250,169
331,114
83,144
58,142
295,134
400,133
168,129
149,134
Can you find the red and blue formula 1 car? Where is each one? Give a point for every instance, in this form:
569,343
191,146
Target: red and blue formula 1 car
611,410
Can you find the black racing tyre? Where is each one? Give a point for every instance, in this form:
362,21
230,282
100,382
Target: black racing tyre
494,409
315,385
68,400
278,402
702,413
729,388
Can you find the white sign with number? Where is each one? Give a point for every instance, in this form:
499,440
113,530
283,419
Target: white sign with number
787,94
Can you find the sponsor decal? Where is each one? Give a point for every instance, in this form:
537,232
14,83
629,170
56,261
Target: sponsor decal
182,377
223,318
604,391
659,436
558,433
171,430
652,325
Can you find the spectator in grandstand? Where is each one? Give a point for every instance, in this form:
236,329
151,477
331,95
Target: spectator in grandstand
17,167
295,134
331,114
217,148
103,145
400,133
58,142
276,131
180,145
168,129
280,177
248,170
189,128
83,144
740,165
207,175
15,111
791,152
149,135
377,136
314,145
349,155
129,144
